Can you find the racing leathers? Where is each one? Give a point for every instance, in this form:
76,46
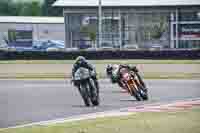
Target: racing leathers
87,65
113,72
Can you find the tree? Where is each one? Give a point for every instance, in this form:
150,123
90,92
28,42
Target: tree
30,9
159,29
90,30
7,8
49,10
20,8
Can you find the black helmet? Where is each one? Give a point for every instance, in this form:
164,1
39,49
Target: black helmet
109,69
80,59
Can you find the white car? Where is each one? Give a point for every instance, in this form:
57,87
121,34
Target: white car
55,49
71,49
3,45
131,46
156,47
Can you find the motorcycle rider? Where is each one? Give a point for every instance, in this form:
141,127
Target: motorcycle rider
113,73
82,62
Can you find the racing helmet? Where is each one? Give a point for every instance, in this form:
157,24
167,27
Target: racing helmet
109,69
80,60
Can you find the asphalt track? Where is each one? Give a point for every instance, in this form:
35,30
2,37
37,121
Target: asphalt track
27,101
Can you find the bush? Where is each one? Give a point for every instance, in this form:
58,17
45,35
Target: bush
98,55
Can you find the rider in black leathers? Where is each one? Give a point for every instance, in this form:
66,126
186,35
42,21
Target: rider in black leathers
82,62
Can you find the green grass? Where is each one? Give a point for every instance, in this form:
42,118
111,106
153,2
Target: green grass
100,75
102,61
187,121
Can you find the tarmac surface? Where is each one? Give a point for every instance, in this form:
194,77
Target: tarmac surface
27,101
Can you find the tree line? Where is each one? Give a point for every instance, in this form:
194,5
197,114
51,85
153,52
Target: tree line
29,8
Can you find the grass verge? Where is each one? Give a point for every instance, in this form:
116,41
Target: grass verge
130,61
100,75
164,122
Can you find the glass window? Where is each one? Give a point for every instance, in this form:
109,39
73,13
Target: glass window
20,38
189,44
189,16
110,30
148,29
82,30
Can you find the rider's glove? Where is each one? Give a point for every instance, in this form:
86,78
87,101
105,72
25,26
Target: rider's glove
135,69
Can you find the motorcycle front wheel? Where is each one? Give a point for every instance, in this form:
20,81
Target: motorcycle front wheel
143,94
94,93
134,93
137,97
143,91
84,93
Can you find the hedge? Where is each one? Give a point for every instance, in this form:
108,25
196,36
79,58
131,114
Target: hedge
99,55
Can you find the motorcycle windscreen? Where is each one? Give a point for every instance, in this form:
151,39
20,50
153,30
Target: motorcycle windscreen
81,74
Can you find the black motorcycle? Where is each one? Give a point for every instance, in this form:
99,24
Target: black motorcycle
87,86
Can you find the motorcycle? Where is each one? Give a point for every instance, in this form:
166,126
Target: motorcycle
87,87
134,84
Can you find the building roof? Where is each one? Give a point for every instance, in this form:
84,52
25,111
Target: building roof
31,19
117,3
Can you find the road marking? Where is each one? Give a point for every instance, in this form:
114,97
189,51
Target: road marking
155,107
74,118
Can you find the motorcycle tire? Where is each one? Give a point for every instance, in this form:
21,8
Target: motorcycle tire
84,94
94,93
134,94
137,97
95,102
143,91
144,95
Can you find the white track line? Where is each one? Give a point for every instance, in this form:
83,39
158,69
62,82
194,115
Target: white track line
74,118
120,112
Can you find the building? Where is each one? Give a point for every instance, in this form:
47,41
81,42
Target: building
142,23
24,30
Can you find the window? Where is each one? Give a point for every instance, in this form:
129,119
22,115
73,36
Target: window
189,16
20,37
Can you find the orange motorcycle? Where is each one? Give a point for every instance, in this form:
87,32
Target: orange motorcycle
134,84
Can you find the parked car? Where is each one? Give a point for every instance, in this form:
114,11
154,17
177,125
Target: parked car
131,46
3,46
84,46
38,44
106,45
49,45
156,47
156,44
91,49
72,49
